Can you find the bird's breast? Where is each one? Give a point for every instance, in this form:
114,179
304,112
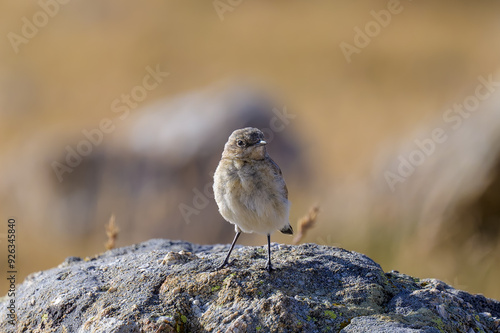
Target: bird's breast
252,196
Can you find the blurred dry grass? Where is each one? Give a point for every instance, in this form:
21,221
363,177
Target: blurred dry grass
92,51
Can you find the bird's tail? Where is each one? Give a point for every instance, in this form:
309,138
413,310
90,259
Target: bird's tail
287,230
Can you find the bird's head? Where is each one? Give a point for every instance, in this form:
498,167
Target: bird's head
246,143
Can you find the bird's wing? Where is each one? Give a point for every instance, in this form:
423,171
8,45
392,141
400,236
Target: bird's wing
277,171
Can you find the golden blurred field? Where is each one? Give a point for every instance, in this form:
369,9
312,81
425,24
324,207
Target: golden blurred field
90,52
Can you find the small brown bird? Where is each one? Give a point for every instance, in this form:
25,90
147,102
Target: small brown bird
250,190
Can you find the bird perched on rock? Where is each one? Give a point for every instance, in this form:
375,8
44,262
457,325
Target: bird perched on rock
250,190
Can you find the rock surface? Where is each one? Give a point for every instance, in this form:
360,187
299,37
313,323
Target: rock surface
171,286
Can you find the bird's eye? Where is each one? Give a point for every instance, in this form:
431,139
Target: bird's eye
240,143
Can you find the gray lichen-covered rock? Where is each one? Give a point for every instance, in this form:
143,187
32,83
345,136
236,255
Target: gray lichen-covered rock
171,286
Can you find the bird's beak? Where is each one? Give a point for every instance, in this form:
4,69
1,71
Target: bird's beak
261,143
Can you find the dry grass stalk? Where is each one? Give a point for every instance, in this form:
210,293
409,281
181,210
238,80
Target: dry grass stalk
306,223
112,231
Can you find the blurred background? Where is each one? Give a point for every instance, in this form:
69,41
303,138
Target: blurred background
384,114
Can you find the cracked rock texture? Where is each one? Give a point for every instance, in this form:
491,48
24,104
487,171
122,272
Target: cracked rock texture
171,286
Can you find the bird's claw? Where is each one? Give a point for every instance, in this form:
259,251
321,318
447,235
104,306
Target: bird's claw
224,264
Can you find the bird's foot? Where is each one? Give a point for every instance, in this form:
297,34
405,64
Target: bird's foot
269,267
224,264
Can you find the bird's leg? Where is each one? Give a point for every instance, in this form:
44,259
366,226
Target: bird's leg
269,266
231,249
